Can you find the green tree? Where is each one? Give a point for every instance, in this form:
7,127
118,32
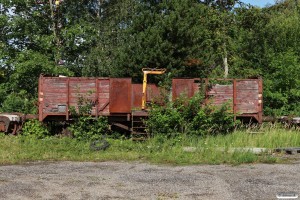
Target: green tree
169,34
104,57
268,46
282,85
36,37
249,57
281,72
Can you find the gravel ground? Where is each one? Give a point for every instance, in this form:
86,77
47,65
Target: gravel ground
122,180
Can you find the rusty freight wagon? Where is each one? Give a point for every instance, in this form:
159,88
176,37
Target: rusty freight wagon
125,103
116,98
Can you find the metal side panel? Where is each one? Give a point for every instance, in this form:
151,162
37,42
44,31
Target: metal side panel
137,93
120,95
182,87
53,96
247,96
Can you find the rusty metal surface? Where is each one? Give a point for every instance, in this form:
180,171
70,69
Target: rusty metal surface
52,92
244,96
58,95
153,95
182,87
247,96
137,93
120,95
4,123
103,96
221,94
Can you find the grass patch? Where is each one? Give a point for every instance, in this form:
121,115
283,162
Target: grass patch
206,150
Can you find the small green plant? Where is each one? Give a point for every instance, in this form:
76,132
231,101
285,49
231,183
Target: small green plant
35,128
84,105
88,128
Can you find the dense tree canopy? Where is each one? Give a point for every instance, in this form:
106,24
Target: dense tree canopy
191,38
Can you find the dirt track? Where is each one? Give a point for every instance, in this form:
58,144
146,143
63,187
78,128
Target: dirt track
120,180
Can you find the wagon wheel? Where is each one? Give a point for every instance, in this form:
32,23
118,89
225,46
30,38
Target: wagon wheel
4,124
16,128
14,131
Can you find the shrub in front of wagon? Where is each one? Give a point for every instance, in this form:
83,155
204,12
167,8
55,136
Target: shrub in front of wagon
190,116
166,120
212,120
88,128
35,128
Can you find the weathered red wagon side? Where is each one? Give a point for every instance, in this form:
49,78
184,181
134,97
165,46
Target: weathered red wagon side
116,98
244,96
106,96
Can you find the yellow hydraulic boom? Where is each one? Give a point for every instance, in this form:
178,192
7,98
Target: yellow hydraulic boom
147,71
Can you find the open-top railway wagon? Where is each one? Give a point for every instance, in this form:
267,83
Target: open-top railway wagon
124,103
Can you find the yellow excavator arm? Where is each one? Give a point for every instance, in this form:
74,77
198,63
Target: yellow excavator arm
147,71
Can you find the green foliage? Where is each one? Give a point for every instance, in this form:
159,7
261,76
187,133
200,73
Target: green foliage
35,128
189,116
84,106
282,86
172,34
28,67
22,85
167,120
19,102
87,128
212,120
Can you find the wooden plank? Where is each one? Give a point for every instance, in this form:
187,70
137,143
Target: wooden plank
247,101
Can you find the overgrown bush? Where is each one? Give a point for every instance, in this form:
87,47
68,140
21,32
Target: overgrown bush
190,116
213,120
35,128
18,102
88,128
